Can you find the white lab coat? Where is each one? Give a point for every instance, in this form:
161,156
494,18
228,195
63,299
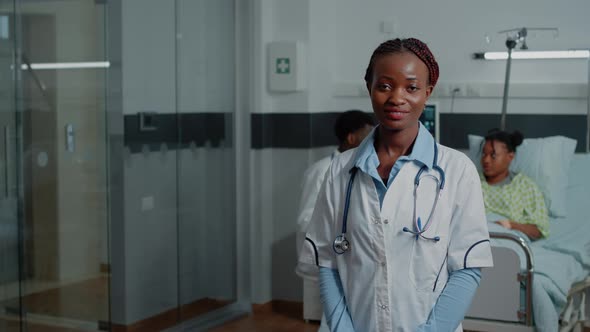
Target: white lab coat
391,279
312,182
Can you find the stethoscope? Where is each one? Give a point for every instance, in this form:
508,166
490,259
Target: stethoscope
341,243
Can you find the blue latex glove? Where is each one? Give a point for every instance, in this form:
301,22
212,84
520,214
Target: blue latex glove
453,302
334,302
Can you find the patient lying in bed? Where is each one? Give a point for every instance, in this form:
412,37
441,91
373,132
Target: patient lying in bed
513,196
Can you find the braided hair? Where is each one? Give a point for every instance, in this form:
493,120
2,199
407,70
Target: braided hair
511,140
413,45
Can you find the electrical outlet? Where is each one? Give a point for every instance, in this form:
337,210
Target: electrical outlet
147,203
387,27
472,91
457,90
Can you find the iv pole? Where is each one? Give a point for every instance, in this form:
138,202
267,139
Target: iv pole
588,112
511,42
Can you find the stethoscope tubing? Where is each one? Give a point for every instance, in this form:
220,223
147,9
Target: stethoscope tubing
341,239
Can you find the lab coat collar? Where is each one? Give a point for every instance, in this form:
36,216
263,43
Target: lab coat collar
422,152
335,153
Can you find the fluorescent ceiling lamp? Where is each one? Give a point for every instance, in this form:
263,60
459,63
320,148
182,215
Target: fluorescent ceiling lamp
572,54
67,65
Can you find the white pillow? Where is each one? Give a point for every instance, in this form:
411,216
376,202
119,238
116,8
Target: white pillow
545,160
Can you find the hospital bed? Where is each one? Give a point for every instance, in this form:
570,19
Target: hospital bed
535,286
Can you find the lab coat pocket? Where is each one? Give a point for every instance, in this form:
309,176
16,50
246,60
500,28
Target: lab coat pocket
427,270
429,250
362,242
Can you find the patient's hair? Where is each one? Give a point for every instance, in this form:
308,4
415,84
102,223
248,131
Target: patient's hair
351,121
511,140
413,45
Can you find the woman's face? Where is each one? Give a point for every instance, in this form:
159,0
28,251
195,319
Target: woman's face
495,158
399,90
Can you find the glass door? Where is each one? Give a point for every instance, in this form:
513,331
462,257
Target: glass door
174,230
54,165
172,183
9,222
205,80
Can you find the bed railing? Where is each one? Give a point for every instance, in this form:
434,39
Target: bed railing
526,277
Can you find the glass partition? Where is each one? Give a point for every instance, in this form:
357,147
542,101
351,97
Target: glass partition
117,164
206,158
54,165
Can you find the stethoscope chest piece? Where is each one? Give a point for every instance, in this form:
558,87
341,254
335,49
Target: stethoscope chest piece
341,244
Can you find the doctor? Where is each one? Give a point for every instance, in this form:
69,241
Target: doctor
350,128
399,231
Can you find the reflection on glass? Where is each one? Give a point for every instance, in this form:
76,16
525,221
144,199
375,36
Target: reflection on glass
176,250
9,264
206,167
62,187
173,245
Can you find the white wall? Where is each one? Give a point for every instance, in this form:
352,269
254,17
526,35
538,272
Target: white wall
206,224
341,36
276,20
184,75
148,56
205,56
344,33
150,243
182,249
